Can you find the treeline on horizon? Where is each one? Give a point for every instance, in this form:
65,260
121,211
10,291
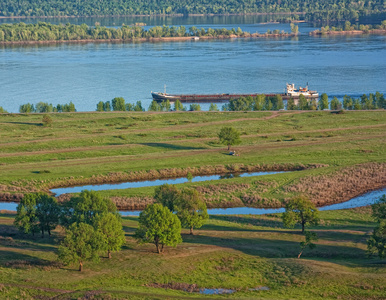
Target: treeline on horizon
258,103
42,31
349,27
316,10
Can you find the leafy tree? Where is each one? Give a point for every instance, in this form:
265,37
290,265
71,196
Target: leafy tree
258,103
302,103
138,106
44,107
2,110
377,241
107,106
213,107
323,101
291,104
100,106
27,108
80,244
335,104
191,209
300,210
158,225
154,106
47,212
178,105
129,107
294,28
195,107
47,120
229,136
26,220
84,207
118,104
165,105
109,225
379,209
309,238
357,105
167,195
347,102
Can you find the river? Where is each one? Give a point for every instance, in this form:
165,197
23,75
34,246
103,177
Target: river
89,73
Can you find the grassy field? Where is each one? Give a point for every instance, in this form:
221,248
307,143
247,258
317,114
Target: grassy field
84,148
240,252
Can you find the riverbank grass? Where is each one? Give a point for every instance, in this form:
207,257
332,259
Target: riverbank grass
239,252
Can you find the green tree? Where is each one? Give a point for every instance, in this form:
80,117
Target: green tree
291,104
44,107
158,225
26,220
167,195
195,107
302,103
109,225
47,212
107,106
191,209
154,106
213,107
84,207
335,104
118,104
100,106
300,210
258,102
379,209
27,108
165,105
81,243
323,102
310,237
347,102
2,110
178,105
138,106
377,241
229,136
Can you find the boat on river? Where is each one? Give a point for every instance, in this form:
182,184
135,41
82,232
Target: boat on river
291,92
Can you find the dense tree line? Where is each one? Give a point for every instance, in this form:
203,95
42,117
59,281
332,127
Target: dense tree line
44,107
348,27
317,10
42,31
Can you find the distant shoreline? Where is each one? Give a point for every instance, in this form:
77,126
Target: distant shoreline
155,15
348,32
151,39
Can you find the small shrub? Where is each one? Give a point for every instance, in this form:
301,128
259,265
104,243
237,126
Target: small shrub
47,121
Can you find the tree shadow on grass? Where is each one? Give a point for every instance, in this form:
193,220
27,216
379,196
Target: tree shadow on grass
254,221
25,123
16,260
277,248
171,146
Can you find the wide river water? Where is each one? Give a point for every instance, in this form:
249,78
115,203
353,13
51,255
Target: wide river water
93,72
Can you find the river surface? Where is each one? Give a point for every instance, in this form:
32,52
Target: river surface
93,72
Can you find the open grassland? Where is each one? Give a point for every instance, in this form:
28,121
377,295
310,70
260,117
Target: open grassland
239,252
343,154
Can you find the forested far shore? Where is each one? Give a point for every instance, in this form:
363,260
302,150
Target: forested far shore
349,28
46,32
331,10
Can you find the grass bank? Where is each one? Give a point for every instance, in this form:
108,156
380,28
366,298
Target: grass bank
84,148
233,252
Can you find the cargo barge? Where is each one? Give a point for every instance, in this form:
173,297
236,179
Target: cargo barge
291,92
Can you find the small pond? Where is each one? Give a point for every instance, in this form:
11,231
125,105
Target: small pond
157,182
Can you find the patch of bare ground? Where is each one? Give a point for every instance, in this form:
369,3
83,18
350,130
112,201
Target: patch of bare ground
342,185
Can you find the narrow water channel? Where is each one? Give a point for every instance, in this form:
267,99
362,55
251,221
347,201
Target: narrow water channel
146,183
363,200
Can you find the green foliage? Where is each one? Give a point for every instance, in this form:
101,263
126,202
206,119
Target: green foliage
291,104
229,136
2,110
27,108
377,241
213,107
44,107
300,210
138,106
167,195
154,106
107,106
47,212
118,104
158,225
310,237
100,106
195,107
26,220
84,207
47,120
335,104
323,101
165,105
189,177
379,209
178,105
109,225
191,209
81,243
303,103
